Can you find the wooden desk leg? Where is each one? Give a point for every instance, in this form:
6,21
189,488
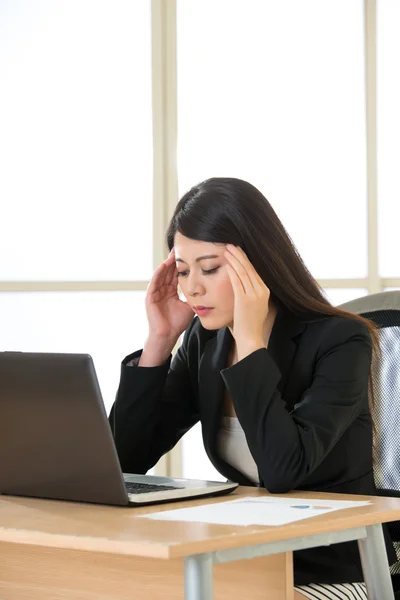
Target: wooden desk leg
39,573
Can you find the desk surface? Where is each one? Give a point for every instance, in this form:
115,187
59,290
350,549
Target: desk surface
117,530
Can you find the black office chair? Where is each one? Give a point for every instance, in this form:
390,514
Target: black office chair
384,310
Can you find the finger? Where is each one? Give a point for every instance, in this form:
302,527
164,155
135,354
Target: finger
171,273
242,257
173,279
241,272
171,257
235,281
164,274
157,279
240,254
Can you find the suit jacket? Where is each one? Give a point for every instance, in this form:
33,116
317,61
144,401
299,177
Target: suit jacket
302,403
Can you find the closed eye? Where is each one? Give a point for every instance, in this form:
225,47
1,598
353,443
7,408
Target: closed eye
208,272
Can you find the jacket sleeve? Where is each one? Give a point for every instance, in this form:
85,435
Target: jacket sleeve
289,446
154,408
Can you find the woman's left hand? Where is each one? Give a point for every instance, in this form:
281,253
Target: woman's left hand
251,302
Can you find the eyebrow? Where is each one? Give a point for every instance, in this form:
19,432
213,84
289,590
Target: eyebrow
200,258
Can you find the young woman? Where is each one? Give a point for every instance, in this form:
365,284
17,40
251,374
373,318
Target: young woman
277,376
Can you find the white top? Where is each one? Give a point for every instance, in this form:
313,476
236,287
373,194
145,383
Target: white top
233,448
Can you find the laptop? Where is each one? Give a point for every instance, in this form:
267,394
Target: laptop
56,441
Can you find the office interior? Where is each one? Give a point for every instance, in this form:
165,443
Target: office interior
110,111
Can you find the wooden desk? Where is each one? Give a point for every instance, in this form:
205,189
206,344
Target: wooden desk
53,550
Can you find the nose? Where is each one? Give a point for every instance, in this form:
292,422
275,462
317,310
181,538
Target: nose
194,287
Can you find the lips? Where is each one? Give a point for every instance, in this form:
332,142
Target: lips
202,310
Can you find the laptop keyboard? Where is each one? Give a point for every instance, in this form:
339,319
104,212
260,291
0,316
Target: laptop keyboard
143,488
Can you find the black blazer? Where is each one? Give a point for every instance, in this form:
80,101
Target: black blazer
302,403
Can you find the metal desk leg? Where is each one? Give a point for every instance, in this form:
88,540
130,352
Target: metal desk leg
375,564
199,577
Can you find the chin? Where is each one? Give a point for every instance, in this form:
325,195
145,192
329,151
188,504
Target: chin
214,324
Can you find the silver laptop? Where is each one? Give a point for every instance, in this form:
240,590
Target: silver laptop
56,442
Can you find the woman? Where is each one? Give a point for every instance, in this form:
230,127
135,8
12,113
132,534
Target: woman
277,376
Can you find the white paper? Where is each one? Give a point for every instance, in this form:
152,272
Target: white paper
255,511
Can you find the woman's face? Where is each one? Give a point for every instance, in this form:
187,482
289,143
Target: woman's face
204,281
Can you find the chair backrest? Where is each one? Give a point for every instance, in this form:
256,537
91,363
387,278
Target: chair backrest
384,310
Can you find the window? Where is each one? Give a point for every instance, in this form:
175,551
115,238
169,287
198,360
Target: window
76,155
76,140
265,93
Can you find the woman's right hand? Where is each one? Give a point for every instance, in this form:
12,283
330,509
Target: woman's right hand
168,316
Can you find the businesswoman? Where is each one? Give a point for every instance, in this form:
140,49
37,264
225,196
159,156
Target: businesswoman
277,376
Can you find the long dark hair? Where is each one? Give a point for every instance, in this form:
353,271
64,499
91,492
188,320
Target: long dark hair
228,210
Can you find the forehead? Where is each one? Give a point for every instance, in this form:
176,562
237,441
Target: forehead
186,248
